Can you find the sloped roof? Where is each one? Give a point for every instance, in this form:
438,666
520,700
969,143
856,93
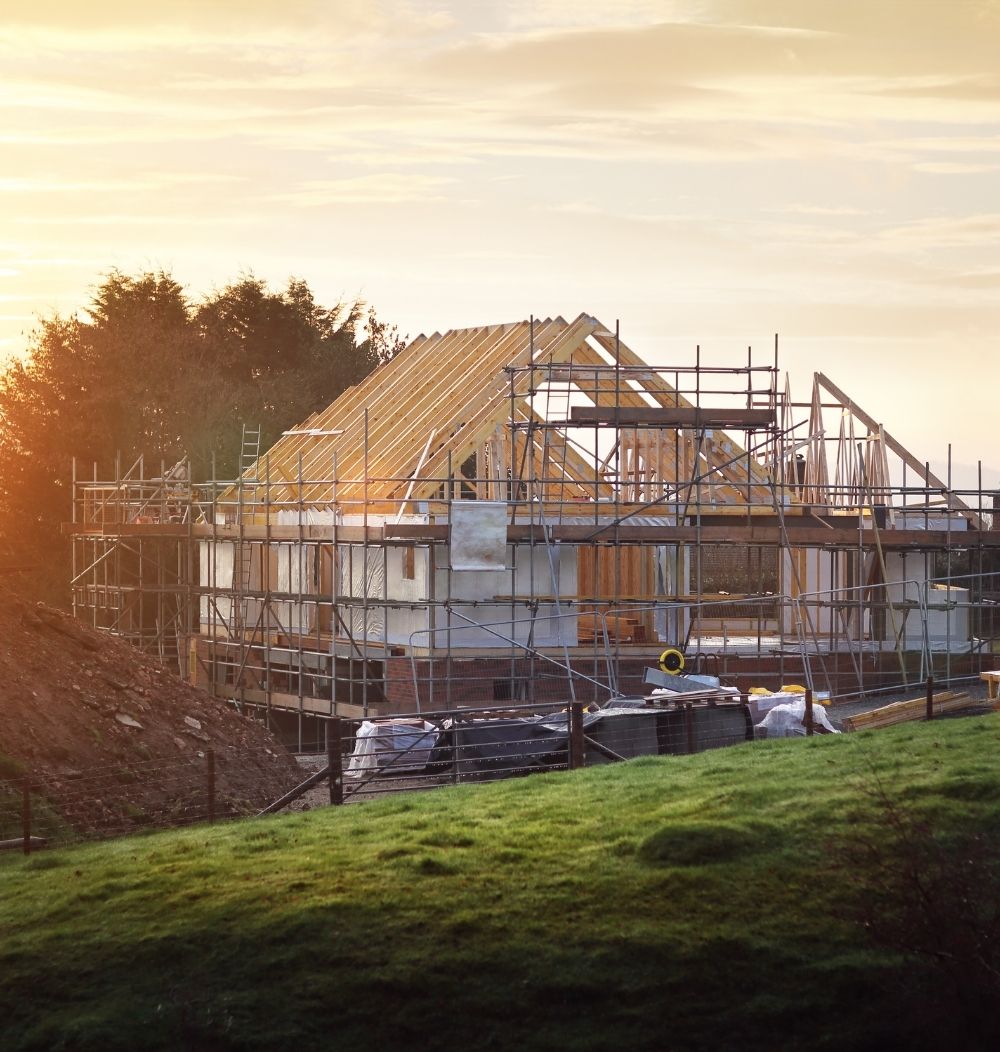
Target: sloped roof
394,435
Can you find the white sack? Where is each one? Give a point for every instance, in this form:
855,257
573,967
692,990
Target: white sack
394,745
788,720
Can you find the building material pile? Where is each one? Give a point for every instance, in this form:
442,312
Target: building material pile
904,711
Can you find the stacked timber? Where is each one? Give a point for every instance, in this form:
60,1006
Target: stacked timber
903,711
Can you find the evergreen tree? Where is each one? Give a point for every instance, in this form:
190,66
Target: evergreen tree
147,372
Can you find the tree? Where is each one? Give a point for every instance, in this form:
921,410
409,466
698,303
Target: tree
382,340
285,355
147,372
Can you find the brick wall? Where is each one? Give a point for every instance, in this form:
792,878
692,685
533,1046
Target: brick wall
442,684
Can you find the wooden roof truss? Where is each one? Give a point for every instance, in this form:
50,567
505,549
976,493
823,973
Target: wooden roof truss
488,395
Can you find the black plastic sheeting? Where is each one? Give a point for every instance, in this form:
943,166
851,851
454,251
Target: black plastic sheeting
501,748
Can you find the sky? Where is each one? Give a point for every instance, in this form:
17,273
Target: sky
707,172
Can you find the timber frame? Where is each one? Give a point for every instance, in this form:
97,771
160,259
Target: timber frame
628,507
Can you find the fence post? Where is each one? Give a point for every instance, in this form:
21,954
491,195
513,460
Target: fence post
745,703
576,748
930,697
26,814
455,746
689,727
335,759
809,712
211,785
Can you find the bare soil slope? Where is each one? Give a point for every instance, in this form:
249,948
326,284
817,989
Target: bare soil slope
108,736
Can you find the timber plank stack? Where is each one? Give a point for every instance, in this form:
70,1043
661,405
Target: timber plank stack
904,711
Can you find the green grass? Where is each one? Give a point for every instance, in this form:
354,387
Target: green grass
674,903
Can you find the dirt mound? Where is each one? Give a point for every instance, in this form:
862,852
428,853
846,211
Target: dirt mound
109,737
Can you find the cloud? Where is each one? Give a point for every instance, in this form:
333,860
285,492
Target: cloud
663,58
947,144
955,168
157,222
578,86
737,160
983,279
818,210
102,16
676,221
152,181
961,88
55,261
529,15
117,29
886,38
792,65
976,231
385,188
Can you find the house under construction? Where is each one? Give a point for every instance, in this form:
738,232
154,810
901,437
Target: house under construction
532,512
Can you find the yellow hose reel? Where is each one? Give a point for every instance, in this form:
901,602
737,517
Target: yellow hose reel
671,661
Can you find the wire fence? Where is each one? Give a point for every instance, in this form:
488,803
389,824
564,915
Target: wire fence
44,810
368,758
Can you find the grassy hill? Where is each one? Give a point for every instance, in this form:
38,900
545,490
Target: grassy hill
706,902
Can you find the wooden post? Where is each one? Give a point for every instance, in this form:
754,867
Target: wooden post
211,785
930,697
576,745
455,738
745,703
809,712
335,759
26,814
689,727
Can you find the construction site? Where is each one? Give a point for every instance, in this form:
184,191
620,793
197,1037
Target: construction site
532,513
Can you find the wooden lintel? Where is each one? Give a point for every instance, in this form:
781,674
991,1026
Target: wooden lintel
804,536
774,536
673,416
415,532
123,529
246,532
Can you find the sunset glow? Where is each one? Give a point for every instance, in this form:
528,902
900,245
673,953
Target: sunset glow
708,172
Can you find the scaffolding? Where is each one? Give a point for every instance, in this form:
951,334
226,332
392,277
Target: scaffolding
532,513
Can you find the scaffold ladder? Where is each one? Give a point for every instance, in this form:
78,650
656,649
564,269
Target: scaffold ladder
249,448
